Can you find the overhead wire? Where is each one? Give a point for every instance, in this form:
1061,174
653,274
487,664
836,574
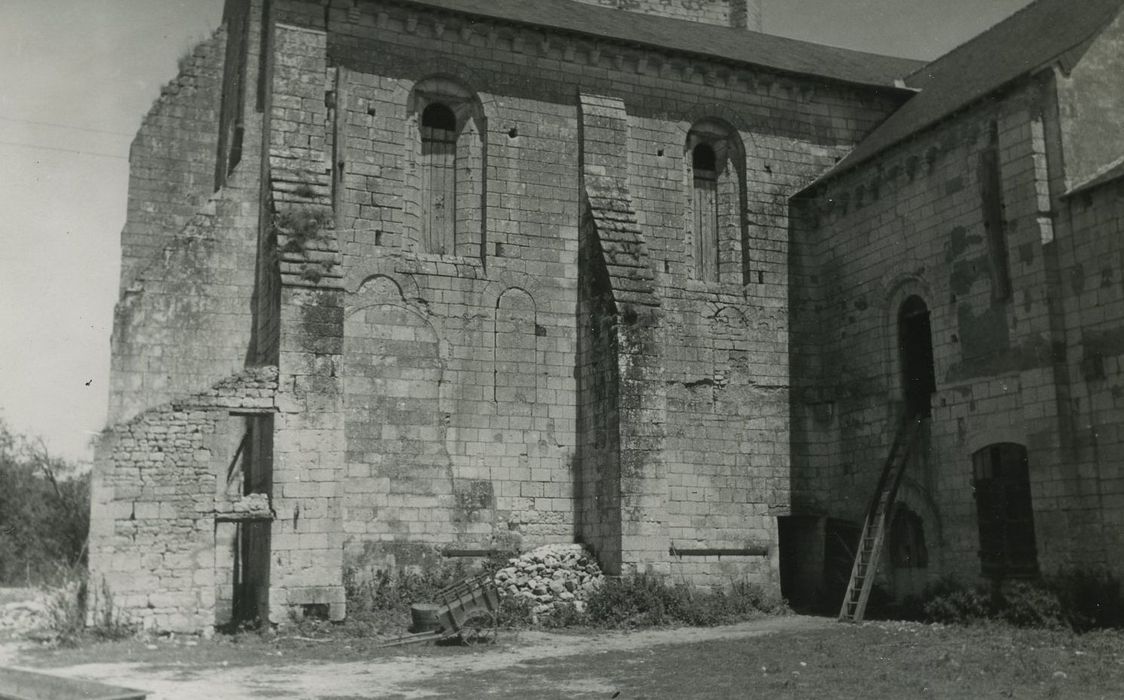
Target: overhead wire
61,150
58,125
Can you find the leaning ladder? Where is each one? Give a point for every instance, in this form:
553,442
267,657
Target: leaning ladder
878,522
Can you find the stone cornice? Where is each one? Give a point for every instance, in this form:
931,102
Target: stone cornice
598,52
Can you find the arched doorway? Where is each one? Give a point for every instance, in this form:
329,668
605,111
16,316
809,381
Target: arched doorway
915,343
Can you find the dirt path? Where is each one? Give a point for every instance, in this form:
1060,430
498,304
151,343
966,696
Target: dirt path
405,675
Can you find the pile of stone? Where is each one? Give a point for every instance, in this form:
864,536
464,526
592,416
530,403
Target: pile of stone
18,618
552,574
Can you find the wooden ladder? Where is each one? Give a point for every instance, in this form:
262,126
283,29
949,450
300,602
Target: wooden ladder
878,522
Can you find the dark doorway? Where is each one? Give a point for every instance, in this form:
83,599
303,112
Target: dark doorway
801,543
915,342
1005,512
252,548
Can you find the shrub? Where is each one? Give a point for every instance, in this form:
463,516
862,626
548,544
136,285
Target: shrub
382,601
950,602
647,600
1025,604
44,512
396,591
1090,599
561,615
637,600
1076,599
514,612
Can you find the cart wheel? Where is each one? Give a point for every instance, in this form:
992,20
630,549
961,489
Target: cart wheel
479,628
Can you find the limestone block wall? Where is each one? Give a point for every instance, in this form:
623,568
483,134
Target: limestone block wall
171,173
159,481
618,286
912,223
306,540
484,453
458,369
1094,304
185,319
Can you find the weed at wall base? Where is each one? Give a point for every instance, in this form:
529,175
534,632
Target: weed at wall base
75,611
1075,599
647,600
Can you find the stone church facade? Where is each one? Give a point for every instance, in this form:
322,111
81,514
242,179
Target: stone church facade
405,280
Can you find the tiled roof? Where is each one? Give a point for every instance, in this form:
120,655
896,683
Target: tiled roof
1043,32
724,43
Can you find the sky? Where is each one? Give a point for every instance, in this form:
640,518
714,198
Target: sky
76,78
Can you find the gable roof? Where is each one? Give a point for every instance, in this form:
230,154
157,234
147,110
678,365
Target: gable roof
1113,173
661,33
1042,33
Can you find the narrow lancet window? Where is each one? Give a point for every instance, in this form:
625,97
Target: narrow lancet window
704,166
439,179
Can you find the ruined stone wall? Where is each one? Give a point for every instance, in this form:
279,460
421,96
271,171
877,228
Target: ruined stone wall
912,223
159,483
184,319
171,162
727,13
458,376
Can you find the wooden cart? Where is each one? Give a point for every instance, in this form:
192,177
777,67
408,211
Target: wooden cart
466,610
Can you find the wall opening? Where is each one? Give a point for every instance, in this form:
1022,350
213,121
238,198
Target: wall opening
439,178
444,205
716,215
915,343
245,537
907,540
1006,515
801,545
704,167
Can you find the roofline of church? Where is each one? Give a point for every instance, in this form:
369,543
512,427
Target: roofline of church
588,24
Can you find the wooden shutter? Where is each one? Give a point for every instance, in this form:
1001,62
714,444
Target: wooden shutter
706,225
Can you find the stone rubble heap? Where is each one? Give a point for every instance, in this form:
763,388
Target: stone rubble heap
23,616
554,573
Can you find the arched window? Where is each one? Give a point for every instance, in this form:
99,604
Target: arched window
1005,512
444,196
704,167
438,179
915,341
716,204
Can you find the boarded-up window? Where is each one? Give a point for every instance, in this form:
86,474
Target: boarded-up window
704,167
516,349
1006,515
715,164
439,179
